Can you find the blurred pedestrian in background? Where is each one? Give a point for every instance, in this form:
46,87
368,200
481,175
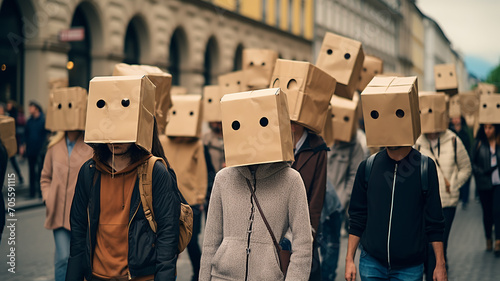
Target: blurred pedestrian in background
485,161
460,128
11,110
3,170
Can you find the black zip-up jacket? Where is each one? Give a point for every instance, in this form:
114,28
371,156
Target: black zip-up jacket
481,164
148,253
395,225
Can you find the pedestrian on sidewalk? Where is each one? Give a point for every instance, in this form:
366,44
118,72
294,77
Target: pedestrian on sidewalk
111,238
258,197
11,110
485,160
460,128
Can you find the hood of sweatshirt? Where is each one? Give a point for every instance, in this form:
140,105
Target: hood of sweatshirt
105,168
263,170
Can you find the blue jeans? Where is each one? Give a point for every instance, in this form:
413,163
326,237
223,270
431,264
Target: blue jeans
329,243
371,269
62,238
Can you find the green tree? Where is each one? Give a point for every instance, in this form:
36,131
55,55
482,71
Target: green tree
494,77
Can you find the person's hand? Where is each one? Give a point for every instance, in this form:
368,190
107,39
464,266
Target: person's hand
440,273
22,149
447,185
350,270
202,207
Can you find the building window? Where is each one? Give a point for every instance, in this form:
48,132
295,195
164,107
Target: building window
290,15
302,16
278,13
238,6
264,10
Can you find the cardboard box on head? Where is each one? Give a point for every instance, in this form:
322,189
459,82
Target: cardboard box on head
489,109
8,134
55,83
211,103
232,82
433,112
454,106
445,78
327,133
258,65
67,109
485,89
391,111
163,83
308,89
120,110
256,128
342,58
344,121
372,66
185,117
469,103
178,91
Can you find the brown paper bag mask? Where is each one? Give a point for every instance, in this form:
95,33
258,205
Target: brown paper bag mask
120,110
308,90
258,65
8,134
67,109
485,89
445,78
163,83
454,106
327,133
469,103
185,117
372,66
211,103
391,111
232,82
256,128
343,116
55,83
178,91
433,112
342,58
489,109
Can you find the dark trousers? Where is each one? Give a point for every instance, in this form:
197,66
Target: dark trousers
329,243
465,193
316,264
430,264
193,247
490,202
35,165
13,162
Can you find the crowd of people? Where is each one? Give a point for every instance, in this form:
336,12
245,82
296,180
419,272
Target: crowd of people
276,191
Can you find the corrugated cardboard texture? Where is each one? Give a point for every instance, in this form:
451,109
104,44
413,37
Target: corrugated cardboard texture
489,109
469,103
344,121
372,66
433,112
211,103
445,78
8,134
308,90
486,89
342,58
232,82
120,110
163,83
256,128
185,116
67,109
391,111
258,65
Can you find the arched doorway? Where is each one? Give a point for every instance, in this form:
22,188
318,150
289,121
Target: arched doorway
79,57
132,49
178,48
238,58
11,53
211,61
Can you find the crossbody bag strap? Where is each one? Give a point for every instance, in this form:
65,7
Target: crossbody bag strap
276,245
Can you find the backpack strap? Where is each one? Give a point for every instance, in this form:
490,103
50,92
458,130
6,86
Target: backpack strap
368,167
145,174
424,173
454,140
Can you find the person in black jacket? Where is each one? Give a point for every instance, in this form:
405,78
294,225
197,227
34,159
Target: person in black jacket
459,127
111,238
393,218
485,159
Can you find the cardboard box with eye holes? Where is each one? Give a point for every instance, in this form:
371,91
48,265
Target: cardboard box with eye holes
232,82
308,89
185,117
489,109
485,89
67,109
372,66
445,78
342,120
55,83
256,128
342,58
163,83
8,134
391,111
258,65
120,110
433,112
454,109
211,103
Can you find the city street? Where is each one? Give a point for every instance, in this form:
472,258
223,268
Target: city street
35,249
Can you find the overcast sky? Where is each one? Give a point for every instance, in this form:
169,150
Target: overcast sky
473,26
